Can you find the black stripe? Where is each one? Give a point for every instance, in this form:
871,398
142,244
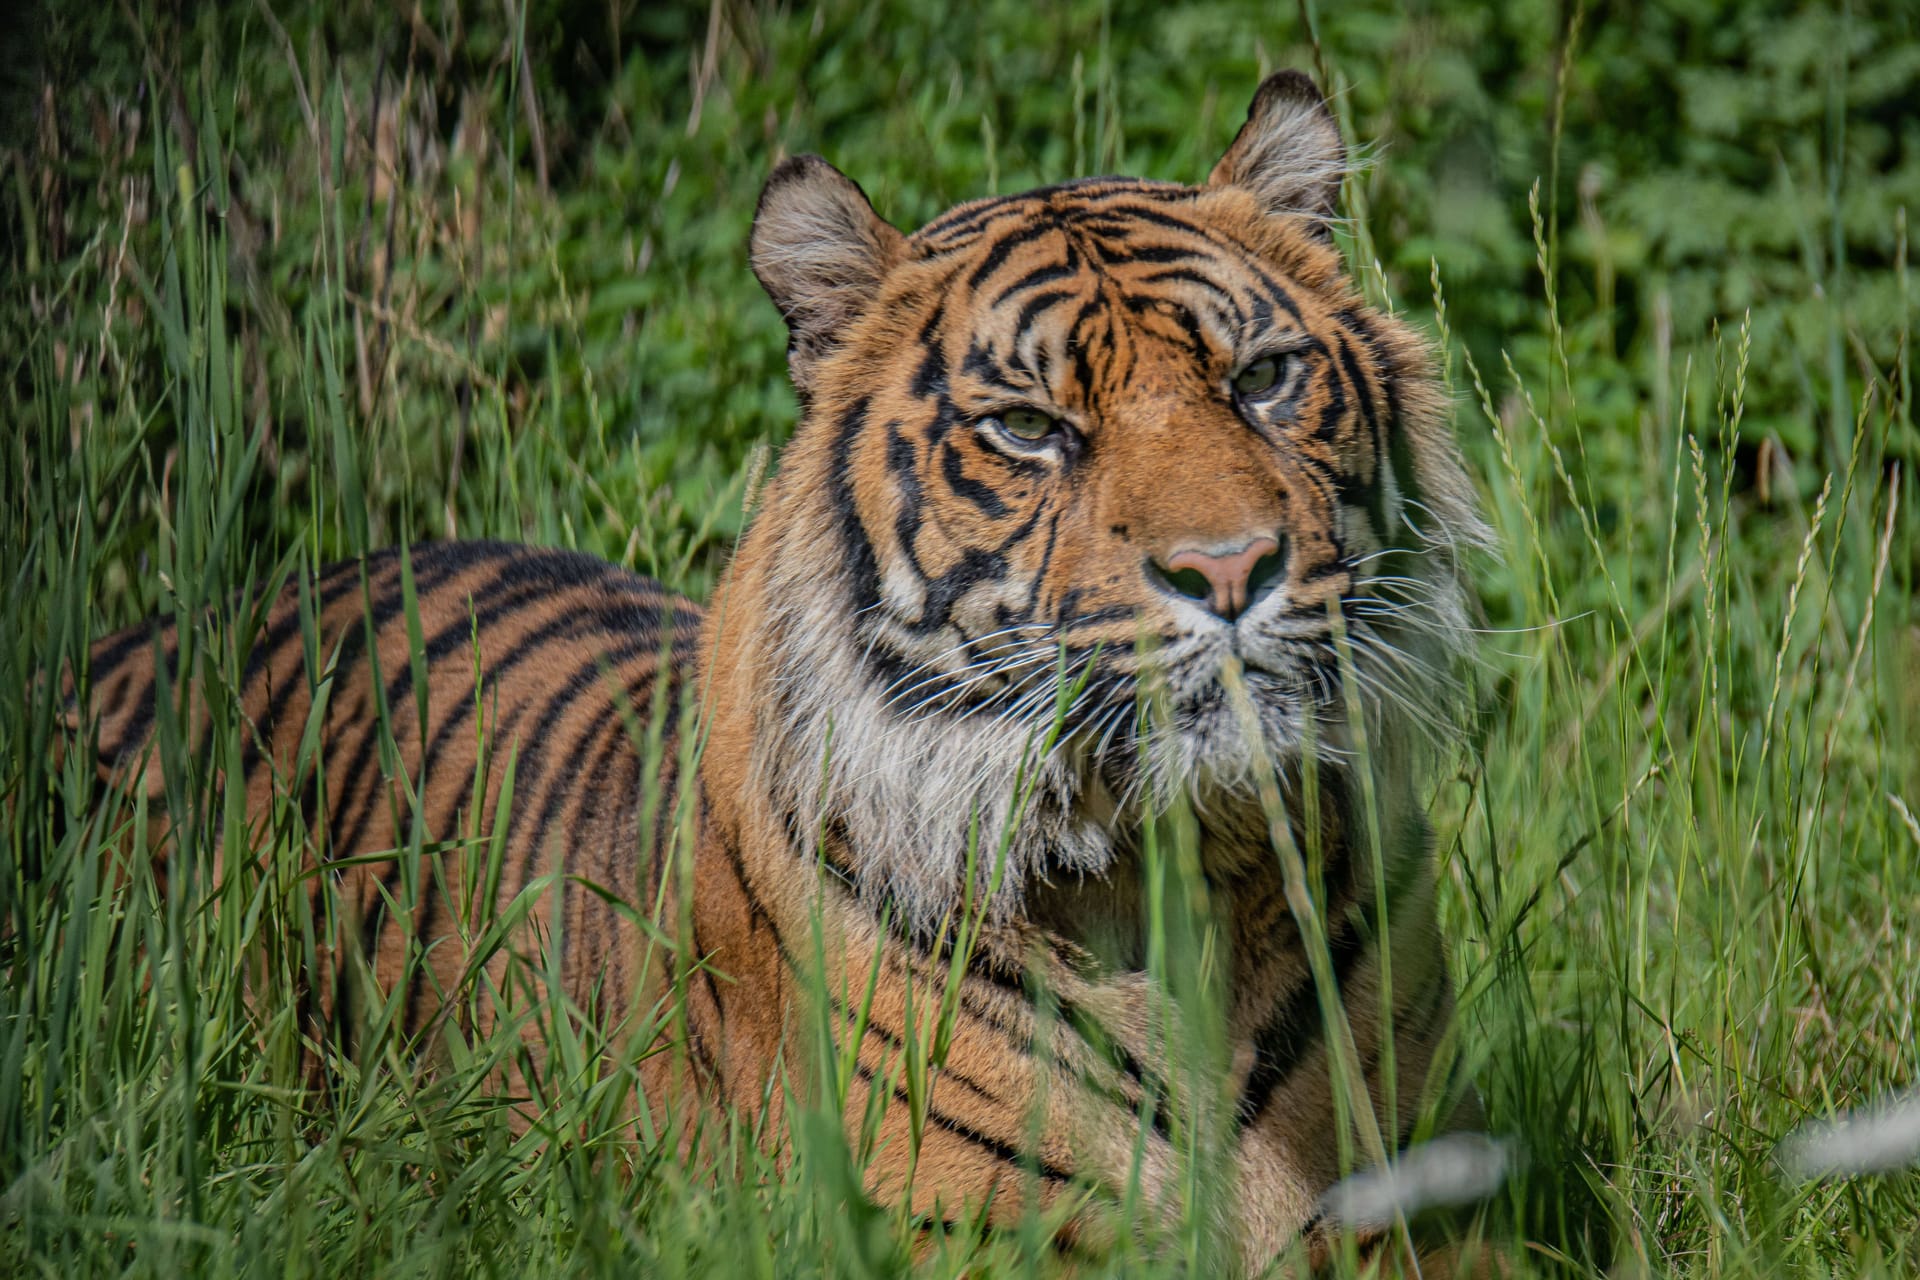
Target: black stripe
434,564
134,731
258,748
1187,275
932,375
1181,315
970,217
932,955
565,783
1153,215
863,574
1066,267
987,1142
976,568
1038,303
568,626
447,729
1297,1028
1336,408
757,913
981,363
1360,383
905,469
585,678
429,910
1398,449
1275,293
1040,574
109,695
965,486
330,584
1111,613
996,256
926,956
1161,253
1151,1085
515,590
894,1041
103,661
1079,346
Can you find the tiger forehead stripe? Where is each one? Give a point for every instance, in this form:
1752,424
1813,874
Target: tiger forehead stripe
1075,246
1214,321
1108,237
1067,267
1245,299
966,220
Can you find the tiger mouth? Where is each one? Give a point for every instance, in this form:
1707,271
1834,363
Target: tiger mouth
1296,687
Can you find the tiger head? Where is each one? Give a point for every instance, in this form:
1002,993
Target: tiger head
1102,491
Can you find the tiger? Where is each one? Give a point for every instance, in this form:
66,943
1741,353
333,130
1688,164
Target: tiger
1103,497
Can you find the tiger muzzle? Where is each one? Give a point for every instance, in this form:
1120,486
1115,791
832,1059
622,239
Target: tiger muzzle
1226,582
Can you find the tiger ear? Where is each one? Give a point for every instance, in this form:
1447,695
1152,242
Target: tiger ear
820,252
1288,153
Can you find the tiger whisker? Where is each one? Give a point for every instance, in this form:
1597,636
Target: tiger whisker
1038,661
1029,706
1118,718
1386,579
926,664
1354,562
1366,606
1026,707
1099,717
924,669
1390,679
1031,663
988,666
1393,659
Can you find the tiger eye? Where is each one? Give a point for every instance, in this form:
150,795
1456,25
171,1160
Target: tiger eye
1257,377
1027,424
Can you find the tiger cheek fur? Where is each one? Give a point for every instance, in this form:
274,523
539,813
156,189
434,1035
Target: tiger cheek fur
1062,454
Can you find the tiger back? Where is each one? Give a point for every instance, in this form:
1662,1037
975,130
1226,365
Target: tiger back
388,706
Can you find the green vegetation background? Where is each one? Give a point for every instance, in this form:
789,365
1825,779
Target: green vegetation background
297,277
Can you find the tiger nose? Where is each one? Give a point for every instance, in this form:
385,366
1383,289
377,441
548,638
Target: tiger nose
1225,582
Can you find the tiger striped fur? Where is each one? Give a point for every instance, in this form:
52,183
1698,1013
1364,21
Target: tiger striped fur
1062,453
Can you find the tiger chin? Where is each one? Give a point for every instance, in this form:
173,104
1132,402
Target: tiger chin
1106,498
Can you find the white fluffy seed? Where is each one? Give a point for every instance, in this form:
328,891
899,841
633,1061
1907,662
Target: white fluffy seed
1451,1171
1870,1140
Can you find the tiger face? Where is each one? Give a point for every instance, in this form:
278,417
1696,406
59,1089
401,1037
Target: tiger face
1099,446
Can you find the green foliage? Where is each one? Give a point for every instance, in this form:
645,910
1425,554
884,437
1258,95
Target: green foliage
291,281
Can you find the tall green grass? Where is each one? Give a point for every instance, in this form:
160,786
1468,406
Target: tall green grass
1677,842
